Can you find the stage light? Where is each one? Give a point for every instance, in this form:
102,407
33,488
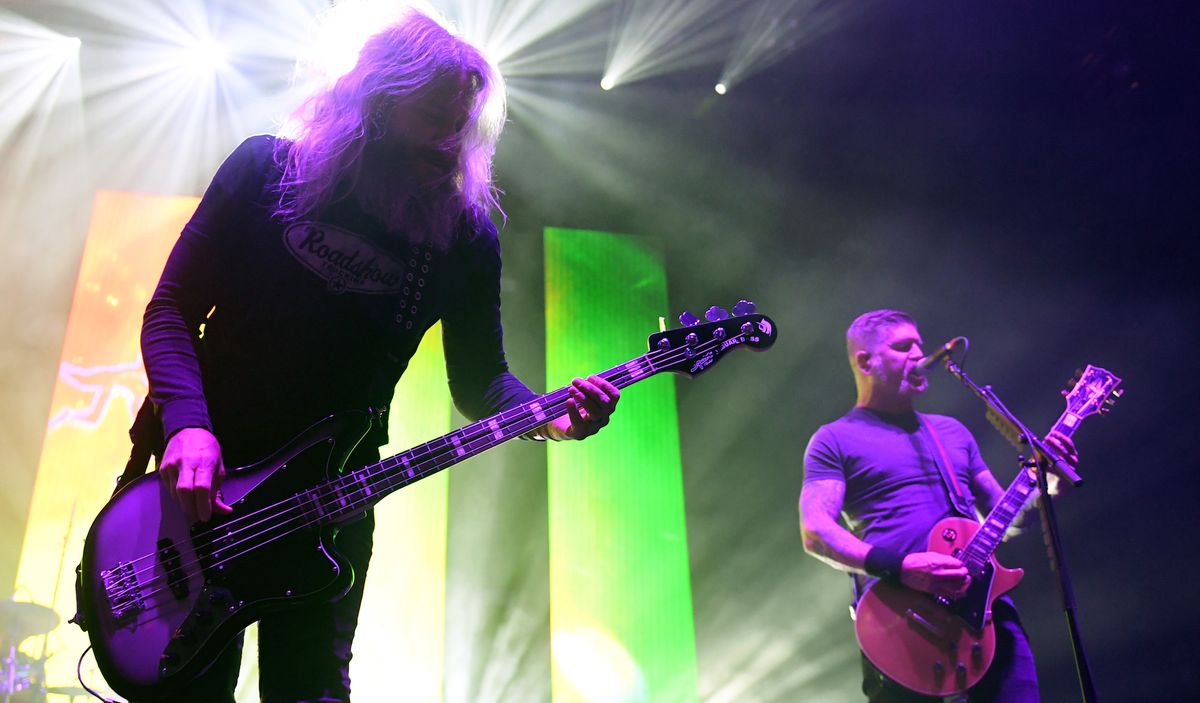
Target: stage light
597,666
720,88
772,29
607,83
205,57
655,37
339,34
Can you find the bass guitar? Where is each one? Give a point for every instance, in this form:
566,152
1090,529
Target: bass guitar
942,646
160,595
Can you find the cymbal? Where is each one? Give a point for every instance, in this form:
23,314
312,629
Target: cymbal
19,620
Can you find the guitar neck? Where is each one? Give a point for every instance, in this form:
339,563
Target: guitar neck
691,350
364,487
1021,491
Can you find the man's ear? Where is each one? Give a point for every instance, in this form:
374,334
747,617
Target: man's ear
862,361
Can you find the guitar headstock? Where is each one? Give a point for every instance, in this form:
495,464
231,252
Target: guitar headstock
697,346
1094,390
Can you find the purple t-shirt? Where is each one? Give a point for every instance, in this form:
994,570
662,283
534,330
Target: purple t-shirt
894,490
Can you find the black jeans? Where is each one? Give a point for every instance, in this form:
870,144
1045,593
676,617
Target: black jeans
303,655
1012,677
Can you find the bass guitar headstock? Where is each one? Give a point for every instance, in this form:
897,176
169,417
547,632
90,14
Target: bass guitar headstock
697,346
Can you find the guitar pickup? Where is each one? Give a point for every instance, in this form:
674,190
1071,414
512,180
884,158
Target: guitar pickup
168,557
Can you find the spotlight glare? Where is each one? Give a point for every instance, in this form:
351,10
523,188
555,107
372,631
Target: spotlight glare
205,56
607,83
720,88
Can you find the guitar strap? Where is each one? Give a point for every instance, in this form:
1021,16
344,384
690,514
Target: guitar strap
146,434
954,491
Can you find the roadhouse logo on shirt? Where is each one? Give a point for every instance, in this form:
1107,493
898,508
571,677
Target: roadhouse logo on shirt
349,262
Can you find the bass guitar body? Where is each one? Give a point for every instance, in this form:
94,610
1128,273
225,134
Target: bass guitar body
162,595
929,644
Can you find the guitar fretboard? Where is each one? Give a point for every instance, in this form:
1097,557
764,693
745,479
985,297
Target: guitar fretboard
1022,490
692,353
362,488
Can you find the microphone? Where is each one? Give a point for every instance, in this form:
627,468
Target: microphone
941,353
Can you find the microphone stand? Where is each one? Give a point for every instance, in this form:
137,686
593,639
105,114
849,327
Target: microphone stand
1046,460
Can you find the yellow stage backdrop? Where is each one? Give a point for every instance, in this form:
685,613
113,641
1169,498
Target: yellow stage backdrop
100,385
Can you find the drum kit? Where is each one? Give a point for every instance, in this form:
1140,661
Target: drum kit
22,677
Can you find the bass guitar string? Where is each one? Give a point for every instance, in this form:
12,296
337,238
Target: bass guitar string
363,495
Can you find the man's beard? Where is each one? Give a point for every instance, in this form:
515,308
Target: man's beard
410,191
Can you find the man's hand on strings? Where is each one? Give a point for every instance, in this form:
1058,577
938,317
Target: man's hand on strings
192,470
589,406
936,573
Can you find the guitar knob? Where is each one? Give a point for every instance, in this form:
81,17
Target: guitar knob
687,319
716,314
744,307
977,650
939,668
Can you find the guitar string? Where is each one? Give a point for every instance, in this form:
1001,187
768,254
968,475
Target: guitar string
557,404
983,544
297,518
979,550
297,511
651,359
272,511
358,500
362,495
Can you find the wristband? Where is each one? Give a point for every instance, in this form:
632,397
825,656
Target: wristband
884,563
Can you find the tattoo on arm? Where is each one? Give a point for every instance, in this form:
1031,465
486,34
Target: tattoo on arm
820,505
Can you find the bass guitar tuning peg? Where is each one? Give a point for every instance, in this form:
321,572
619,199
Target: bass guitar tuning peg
687,319
744,307
716,314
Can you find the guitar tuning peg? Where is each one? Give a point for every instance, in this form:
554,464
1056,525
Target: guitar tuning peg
1117,393
744,307
716,314
1078,375
687,319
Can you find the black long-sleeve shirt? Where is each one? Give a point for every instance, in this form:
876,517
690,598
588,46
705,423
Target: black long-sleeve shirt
258,328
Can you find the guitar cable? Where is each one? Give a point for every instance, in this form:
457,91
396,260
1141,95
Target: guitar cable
79,676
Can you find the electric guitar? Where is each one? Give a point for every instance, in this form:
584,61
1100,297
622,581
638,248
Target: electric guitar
942,646
160,595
